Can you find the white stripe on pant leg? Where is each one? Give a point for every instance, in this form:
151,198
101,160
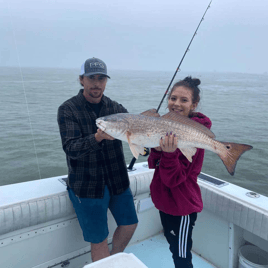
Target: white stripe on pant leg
180,236
186,236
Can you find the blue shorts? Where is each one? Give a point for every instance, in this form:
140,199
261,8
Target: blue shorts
92,213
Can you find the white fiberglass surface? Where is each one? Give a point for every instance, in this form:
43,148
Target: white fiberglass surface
154,253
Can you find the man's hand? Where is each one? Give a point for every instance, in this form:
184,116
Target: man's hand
101,135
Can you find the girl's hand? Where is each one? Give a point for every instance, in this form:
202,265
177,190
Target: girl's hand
169,144
158,149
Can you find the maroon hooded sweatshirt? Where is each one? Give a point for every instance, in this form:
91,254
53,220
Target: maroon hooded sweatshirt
174,187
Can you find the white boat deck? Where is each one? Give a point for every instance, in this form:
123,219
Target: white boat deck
154,253
37,214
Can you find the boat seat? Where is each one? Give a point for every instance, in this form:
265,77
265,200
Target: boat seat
52,207
34,212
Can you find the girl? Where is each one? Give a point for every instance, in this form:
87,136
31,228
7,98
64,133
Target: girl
174,187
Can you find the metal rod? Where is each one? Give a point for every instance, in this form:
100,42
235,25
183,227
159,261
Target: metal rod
130,167
187,49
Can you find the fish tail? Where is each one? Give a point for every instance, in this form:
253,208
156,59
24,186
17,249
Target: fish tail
232,153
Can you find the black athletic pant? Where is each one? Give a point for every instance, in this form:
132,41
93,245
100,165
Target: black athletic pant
178,232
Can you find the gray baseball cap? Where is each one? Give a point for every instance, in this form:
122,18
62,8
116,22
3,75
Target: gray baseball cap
94,66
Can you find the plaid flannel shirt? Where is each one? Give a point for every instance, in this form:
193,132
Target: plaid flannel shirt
91,165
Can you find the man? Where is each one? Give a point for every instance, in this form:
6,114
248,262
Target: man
97,174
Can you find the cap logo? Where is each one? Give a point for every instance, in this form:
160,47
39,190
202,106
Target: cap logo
96,65
93,66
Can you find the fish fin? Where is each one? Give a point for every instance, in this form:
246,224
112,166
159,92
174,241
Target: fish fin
234,151
136,149
151,112
188,153
187,121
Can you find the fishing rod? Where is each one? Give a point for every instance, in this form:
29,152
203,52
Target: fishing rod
187,49
146,150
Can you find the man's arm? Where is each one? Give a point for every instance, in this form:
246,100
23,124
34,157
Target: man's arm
73,143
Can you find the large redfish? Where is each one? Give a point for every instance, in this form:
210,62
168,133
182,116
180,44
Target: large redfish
146,129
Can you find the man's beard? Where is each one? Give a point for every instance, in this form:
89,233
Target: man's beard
96,94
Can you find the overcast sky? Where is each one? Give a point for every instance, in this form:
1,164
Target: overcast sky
136,35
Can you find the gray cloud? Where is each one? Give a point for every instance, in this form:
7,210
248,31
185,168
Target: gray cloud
139,35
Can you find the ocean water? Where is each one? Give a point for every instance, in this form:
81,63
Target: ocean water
30,145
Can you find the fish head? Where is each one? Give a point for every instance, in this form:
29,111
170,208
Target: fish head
116,125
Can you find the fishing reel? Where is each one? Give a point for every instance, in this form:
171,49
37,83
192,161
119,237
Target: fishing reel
146,151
